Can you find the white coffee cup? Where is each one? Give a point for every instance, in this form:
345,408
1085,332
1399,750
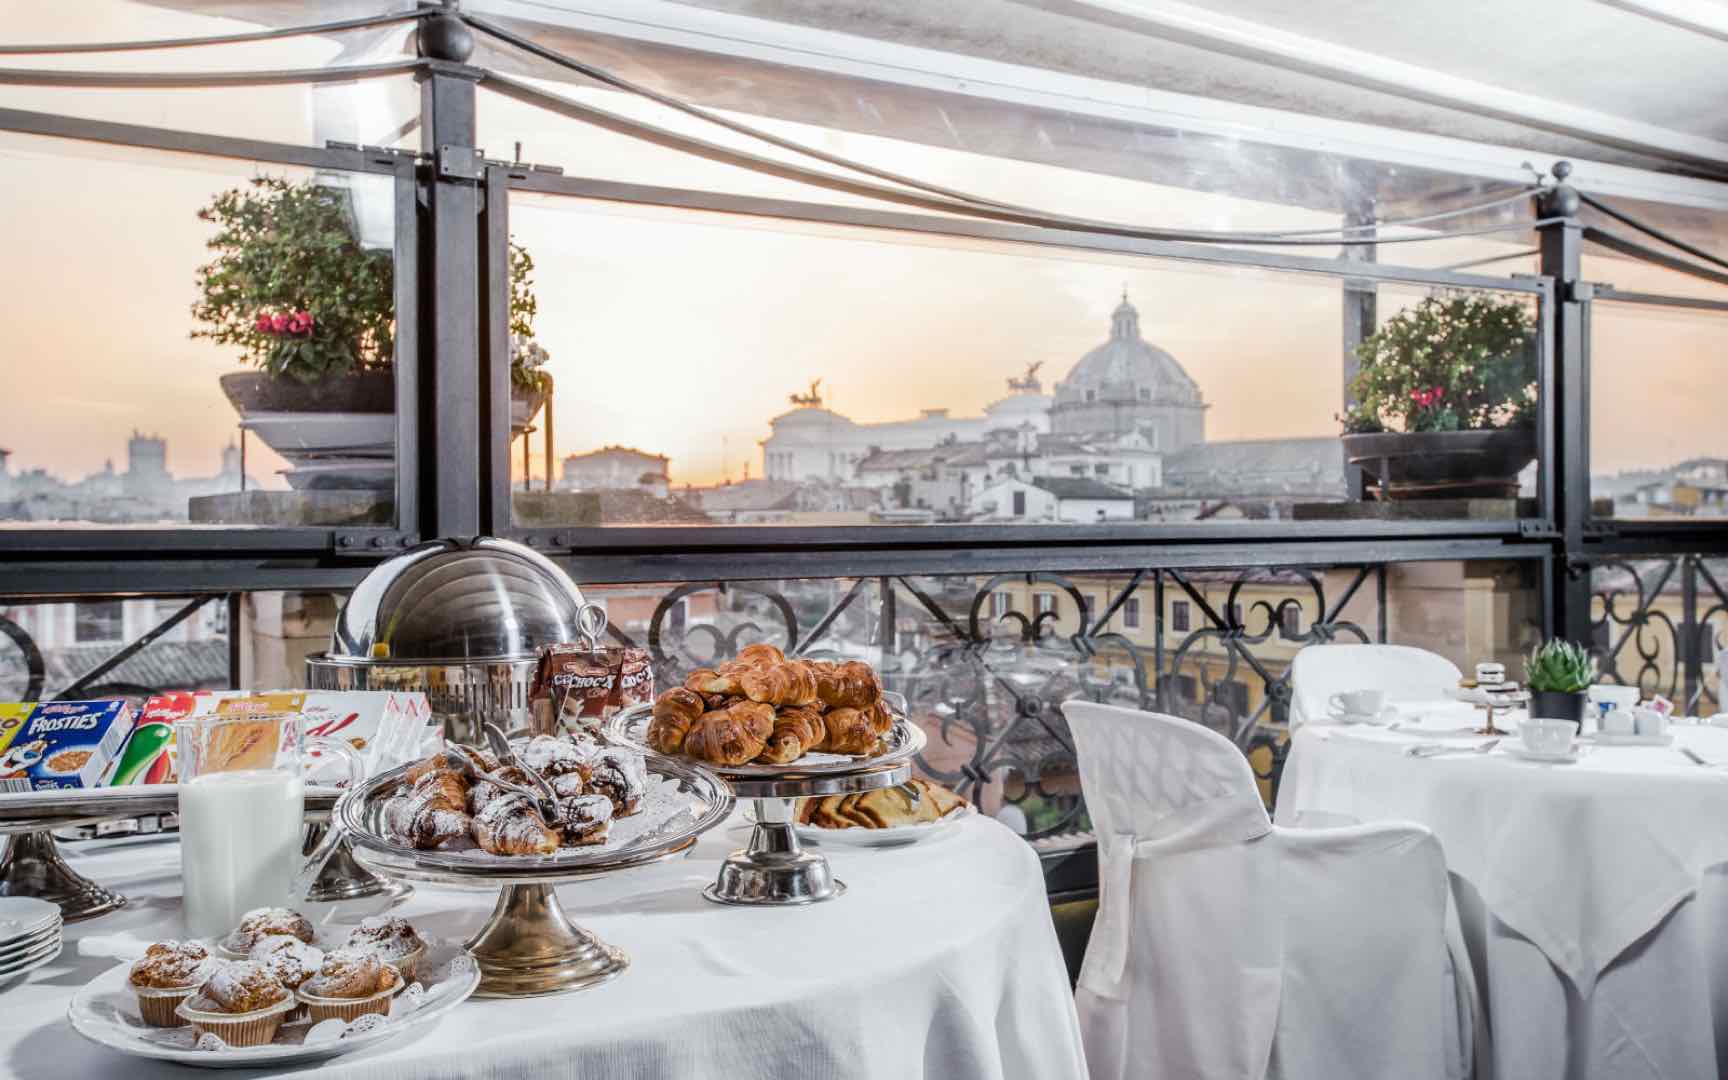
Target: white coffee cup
1650,722
1618,722
1548,737
1359,703
1612,695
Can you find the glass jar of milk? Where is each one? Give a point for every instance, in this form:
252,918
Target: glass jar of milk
242,811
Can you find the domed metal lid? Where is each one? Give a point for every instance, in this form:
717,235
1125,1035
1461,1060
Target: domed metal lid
458,600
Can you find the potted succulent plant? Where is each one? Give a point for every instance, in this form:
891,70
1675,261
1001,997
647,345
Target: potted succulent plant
312,310
1445,400
1558,674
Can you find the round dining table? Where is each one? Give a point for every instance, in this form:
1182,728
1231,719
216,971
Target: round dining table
939,961
1592,893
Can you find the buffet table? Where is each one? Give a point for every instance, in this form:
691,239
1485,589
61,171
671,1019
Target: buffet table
940,961
1591,893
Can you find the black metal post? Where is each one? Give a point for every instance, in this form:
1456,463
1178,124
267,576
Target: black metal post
494,294
1565,408
1361,315
450,383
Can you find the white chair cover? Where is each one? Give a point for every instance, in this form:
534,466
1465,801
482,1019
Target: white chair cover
1404,673
1229,949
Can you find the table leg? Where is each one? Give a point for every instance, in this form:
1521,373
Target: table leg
530,948
33,867
774,868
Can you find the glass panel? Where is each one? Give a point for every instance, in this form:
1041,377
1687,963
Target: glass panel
837,376
986,662
45,649
1657,442
373,112
1661,624
124,409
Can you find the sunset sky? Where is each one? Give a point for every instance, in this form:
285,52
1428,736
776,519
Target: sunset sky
682,334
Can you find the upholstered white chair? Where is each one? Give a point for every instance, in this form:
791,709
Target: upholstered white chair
1227,948
1404,673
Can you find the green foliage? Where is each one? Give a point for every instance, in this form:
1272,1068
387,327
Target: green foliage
292,286
1559,667
1454,362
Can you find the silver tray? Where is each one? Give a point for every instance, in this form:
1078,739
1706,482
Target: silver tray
706,803
904,740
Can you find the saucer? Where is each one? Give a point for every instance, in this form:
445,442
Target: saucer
1564,758
1604,738
1385,716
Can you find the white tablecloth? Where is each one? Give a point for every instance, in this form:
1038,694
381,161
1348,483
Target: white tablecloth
939,962
1563,873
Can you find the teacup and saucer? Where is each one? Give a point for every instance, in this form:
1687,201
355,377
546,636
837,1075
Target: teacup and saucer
1543,739
1360,707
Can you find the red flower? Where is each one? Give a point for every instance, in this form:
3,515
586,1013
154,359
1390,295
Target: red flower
1439,392
262,324
278,323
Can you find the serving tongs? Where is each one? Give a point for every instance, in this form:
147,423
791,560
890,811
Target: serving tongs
547,799
543,797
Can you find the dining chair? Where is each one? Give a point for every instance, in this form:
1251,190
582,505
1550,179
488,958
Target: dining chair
1319,671
1232,949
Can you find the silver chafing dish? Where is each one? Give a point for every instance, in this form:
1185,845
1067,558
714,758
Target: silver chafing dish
461,621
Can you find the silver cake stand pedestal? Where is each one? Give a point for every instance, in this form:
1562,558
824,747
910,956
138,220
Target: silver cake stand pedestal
530,947
773,868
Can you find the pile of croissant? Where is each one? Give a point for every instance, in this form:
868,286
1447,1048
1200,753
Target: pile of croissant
916,802
439,808
763,708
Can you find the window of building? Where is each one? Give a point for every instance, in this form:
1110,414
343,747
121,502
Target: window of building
1185,688
1101,470
1088,605
1145,394
1179,616
1019,504
1077,470
1091,395
1235,615
1131,613
1000,604
1044,602
98,622
1232,695
1290,621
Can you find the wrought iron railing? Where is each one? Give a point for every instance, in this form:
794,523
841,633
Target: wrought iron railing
1658,624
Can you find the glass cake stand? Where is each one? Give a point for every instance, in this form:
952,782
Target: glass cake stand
773,868
529,947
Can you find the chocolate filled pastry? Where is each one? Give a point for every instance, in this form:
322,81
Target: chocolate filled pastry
551,756
622,776
731,736
510,825
484,790
570,785
584,820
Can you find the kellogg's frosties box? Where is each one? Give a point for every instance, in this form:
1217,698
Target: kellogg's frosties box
59,744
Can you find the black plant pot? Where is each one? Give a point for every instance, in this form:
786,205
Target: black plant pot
1557,705
1444,464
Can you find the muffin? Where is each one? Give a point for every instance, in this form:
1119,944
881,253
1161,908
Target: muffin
265,922
166,975
392,940
241,1003
350,984
291,960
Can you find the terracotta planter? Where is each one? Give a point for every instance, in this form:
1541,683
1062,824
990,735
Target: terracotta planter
1443,464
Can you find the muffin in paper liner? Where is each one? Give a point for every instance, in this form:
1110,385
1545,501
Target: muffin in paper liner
335,1008
255,1028
407,966
159,1005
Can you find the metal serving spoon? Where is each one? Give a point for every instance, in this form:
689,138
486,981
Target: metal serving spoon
504,752
476,773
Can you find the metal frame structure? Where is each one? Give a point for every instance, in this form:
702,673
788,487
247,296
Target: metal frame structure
452,210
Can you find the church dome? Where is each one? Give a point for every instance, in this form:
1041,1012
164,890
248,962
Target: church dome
1128,368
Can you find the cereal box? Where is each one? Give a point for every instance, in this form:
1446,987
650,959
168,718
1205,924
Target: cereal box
148,756
60,744
385,727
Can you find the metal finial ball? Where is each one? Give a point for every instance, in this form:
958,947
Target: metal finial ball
446,37
1563,201
1561,170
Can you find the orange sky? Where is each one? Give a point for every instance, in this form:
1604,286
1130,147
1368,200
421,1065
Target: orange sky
682,334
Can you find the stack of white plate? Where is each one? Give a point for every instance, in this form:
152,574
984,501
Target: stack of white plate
29,935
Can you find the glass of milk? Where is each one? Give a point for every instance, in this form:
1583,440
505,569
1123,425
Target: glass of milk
242,810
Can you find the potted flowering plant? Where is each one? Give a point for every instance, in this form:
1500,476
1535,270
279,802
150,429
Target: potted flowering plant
1445,400
312,311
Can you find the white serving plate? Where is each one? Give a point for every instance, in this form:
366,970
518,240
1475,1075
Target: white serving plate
1567,758
895,836
105,1011
24,917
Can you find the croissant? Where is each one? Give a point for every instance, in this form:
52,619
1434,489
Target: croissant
441,790
485,791
854,731
674,712
849,685
796,730
584,819
510,825
709,681
731,736
790,683
760,653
